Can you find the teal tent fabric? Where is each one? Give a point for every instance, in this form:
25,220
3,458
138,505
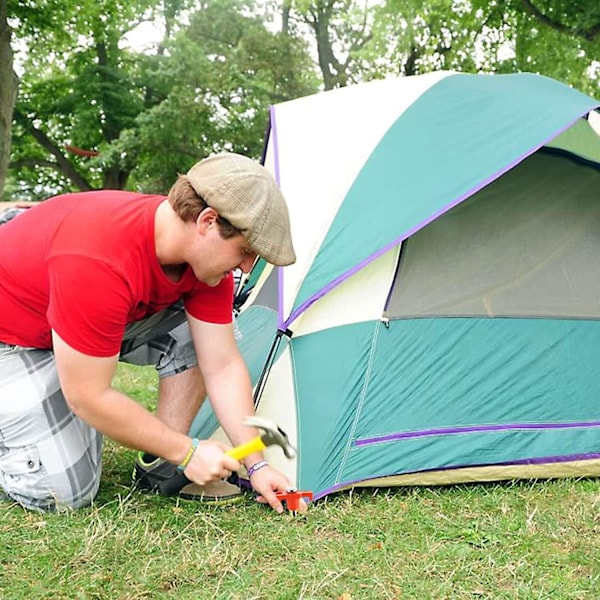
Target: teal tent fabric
422,394
329,370
476,343
430,159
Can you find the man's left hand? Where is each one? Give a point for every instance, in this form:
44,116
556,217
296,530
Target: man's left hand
266,482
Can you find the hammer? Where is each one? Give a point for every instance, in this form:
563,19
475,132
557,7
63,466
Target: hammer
272,436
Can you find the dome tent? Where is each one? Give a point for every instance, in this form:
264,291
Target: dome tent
441,322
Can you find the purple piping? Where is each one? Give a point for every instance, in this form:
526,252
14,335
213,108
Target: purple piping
280,324
310,301
470,429
273,126
547,460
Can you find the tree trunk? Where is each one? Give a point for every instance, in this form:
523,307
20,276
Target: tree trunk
8,93
334,73
286,8
61,164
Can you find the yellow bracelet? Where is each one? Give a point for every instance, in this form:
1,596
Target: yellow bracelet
186,461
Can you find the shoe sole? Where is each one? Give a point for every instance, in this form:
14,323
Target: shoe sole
214,500
211,500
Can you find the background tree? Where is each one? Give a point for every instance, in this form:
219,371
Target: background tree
76,93
557,38
355,41
8,91
37,26
98,114
223,72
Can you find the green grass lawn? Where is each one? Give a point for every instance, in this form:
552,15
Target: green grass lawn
514,540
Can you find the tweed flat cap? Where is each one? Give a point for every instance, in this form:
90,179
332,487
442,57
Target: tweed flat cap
244,192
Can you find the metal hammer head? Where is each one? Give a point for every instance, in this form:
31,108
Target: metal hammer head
272,434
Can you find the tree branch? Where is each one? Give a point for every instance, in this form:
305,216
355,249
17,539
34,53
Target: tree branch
32,162
589,34
62,164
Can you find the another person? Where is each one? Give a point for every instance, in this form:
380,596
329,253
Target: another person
92,278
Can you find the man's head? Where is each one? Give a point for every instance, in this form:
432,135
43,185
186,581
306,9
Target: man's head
246,198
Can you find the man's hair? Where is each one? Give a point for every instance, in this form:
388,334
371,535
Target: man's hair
187,204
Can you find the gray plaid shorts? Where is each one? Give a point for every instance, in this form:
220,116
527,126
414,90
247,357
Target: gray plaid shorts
50,460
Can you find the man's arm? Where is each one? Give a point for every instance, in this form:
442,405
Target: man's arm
229,388
86,383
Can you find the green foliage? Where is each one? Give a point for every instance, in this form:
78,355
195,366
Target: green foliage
150,117
557,38
419,36
405,37
74,91
223,72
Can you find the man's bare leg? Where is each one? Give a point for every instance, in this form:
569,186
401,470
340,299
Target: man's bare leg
179,398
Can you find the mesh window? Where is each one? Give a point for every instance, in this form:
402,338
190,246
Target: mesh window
526,245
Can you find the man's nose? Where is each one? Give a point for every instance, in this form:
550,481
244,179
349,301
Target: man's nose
248,262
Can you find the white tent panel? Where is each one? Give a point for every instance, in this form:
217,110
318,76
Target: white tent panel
315,177
580,139
594,121
348,302
278,403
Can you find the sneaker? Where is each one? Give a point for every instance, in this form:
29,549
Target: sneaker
148,475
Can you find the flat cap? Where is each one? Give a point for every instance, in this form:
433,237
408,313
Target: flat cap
244,192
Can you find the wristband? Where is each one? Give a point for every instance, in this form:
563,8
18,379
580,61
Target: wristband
256,466
186,461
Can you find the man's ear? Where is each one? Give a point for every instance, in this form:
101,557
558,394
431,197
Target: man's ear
206,219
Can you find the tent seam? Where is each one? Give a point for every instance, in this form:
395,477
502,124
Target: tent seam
358,411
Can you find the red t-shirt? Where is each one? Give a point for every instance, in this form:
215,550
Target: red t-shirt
85,265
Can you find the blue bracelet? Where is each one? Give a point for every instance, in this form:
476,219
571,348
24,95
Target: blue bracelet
256,466
186,461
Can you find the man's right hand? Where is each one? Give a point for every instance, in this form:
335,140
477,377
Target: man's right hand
210,463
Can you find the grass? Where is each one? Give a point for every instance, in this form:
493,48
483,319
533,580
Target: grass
516,540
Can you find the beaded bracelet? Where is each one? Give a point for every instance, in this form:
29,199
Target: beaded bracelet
186,461
256,466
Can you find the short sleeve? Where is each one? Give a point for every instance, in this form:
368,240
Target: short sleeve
211,304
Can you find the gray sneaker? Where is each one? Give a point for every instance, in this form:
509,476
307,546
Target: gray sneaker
147,476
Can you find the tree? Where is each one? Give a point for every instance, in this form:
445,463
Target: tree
40,27
74,93
8,91
557,38
138,120
575,18
356,41
339,28
91,113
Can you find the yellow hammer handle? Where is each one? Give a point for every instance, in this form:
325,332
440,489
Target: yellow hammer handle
239,452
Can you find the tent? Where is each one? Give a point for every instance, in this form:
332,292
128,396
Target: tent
441,323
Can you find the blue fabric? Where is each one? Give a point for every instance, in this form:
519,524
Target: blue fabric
366,414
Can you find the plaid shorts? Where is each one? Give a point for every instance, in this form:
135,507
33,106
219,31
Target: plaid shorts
50,460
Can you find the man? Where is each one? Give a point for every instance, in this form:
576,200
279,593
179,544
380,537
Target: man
92,278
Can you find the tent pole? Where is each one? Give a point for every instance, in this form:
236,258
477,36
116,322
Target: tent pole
269,363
